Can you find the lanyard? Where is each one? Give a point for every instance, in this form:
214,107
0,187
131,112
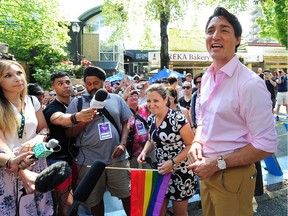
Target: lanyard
20,129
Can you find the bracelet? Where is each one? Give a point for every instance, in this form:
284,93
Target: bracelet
173,163
123,145
196,142
73,119
7,163
46,134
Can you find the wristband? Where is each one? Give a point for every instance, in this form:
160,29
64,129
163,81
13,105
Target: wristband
123,145
73,119
7,163
173,163
196,142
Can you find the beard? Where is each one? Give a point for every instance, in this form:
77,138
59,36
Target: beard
92,92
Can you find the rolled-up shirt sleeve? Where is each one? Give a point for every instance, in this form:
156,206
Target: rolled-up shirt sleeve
256,111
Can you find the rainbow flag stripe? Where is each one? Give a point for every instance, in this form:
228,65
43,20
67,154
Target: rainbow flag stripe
148,189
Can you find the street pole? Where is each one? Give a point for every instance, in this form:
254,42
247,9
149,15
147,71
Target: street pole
76,30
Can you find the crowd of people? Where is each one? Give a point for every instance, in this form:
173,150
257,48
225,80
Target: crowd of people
208,128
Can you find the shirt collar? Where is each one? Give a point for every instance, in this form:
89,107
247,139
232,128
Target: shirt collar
228,68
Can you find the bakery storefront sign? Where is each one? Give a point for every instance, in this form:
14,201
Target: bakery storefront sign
154,57
192,56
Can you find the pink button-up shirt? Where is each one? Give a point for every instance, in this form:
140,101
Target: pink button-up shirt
235,111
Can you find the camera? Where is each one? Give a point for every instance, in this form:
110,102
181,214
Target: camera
140,86
133,87
8,57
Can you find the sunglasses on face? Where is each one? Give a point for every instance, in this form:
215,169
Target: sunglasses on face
198,82
186,87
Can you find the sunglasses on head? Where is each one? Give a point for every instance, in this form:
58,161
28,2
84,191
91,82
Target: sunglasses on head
186,87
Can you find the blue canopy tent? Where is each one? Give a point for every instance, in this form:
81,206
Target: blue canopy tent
165,73
117,77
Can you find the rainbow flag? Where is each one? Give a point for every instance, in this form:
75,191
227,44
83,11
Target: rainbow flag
148,189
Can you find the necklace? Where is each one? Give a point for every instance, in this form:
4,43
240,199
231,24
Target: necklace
64,104
20,129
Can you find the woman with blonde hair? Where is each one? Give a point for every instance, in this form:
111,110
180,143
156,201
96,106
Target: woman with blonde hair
22,126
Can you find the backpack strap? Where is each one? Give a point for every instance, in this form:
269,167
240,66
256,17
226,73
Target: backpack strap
137,116
79,104
31,100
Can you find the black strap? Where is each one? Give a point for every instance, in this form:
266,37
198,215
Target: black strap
104,111
79,105
142,120
31,100
136,116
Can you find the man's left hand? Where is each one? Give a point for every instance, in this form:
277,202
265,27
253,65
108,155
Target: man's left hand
204,168
118,151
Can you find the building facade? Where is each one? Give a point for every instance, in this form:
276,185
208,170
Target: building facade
187,50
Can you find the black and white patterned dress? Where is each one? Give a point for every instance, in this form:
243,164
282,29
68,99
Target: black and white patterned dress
168,144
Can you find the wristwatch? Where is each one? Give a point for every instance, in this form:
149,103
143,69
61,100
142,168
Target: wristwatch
173,163
221,164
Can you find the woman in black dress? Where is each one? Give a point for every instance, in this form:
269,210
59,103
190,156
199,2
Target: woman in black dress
171,136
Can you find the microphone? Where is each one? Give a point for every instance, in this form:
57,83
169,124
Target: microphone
52,176
99,99
43,149
86,186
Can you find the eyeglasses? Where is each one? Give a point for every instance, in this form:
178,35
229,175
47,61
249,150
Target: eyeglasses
133,96
186,87
52,94
197,82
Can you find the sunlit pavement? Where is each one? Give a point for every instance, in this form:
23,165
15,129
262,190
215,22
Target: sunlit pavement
113,206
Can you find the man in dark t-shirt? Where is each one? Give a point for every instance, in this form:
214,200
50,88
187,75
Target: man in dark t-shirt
282,92
57,118
185,101
270,84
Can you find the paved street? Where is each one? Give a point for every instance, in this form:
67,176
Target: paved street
272,202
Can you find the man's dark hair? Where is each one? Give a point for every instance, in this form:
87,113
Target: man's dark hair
35,89
231,18
58,75
159,81
197,76
172,80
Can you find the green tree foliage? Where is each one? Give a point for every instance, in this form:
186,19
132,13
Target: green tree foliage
160,10
233,6
274,22
164,11
116,16
35,32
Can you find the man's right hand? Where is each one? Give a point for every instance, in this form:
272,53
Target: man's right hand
195,152
86,115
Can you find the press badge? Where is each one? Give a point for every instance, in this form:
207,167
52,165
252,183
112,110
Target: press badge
104,130
140,128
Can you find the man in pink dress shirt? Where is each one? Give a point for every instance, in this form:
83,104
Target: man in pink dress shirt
236,127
